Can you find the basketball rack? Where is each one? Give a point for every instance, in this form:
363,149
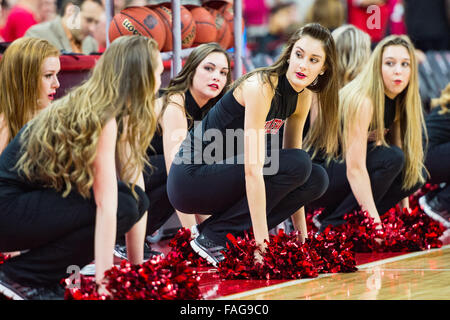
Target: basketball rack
178,54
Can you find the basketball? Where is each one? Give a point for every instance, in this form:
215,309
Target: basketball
223,31
226,10
205,26
188,29
138,20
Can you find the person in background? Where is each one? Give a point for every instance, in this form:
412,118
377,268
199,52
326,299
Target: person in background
380,135
73,30
436,203
71,180
29,79
23,15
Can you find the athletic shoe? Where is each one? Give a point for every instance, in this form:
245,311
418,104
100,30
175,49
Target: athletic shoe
15,291
316,221
194,231
120,251
208,249
435,210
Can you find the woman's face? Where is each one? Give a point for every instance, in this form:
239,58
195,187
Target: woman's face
395,69
48,81
158,71
210,76
306,62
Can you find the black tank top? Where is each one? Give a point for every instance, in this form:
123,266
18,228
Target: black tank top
223,126
8,159
195,112
389,111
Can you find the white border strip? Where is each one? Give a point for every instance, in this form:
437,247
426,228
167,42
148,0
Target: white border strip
294,282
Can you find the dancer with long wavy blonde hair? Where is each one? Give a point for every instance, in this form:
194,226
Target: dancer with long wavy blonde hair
71,180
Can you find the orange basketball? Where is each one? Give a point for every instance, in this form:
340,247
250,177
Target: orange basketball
188,29
205,25
137,20
223,31
226,10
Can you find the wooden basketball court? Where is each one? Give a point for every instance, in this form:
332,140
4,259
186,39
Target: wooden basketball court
423,275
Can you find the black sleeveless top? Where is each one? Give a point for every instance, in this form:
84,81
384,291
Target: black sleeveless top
196,113
8,159
223,126
389,111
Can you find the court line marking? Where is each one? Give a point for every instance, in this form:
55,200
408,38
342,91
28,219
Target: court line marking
298,281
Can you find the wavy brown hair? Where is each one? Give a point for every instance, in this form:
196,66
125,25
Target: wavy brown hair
20,74
60,144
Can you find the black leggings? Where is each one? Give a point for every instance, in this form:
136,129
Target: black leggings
219,190
160,209
56,231
384,165
437,163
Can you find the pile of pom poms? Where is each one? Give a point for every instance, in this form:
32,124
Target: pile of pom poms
167,278
285,256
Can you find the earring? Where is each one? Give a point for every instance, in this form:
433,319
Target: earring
322,73
315,81
287,61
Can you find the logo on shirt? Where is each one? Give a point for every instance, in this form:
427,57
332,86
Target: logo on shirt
273,126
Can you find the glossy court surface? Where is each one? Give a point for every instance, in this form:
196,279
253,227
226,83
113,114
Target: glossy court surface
421,275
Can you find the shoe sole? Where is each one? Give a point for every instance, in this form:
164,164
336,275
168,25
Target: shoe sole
202,253
9,293
429,212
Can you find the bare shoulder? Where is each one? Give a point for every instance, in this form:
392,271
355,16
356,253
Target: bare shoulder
255,88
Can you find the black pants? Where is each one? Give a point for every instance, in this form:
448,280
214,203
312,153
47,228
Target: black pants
437,163
219,190
56,231
384,164
160,209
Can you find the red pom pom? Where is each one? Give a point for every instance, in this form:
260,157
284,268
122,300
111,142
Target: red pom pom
156,279
181,249
3,258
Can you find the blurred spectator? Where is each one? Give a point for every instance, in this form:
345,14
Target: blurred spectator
427,23
303,7
282,17
329,13
21,17
100,33
73,31
374,22
47,10
396,17
256,16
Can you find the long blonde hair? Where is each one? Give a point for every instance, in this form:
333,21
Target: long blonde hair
369,84
353,51
20,74
60,144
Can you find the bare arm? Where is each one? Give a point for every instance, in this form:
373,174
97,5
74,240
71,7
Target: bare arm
257,99
135,237
355,159
174,125
105,193
293,138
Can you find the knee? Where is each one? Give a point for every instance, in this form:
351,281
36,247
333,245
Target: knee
130,210
394,158
319,180
297,163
